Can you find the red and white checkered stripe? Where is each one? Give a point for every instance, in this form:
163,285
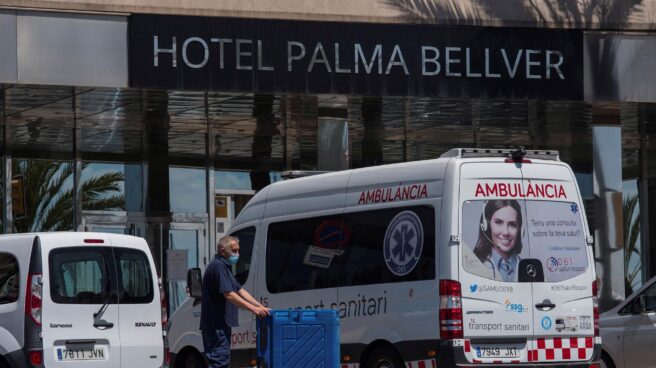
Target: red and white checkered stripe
352,365
421,364
545,350
562,349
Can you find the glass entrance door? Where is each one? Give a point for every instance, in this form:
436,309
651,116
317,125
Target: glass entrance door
186,250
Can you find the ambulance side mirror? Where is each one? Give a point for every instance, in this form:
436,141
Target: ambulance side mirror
195,283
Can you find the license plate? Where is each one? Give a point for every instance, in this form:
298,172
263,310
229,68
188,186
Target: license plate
95,353
497,351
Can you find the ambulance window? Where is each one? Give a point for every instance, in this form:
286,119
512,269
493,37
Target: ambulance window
303,254
8,278
135,277
498,234
390,245
557,238
80,277
246,241
493,238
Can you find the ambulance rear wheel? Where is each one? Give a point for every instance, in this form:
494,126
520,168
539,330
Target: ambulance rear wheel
606,361
384,357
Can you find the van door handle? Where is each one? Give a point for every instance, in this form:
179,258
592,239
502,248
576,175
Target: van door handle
103,324
546,305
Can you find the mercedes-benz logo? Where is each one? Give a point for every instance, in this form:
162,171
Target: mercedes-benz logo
531,271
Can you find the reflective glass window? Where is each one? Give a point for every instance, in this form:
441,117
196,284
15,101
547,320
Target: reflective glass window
188,190
103,187
361,248
81,277
9,279
136,281
497,234
47,193
246,241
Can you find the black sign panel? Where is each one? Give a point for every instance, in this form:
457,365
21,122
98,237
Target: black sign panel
264,56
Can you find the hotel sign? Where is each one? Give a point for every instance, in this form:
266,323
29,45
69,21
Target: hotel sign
275,56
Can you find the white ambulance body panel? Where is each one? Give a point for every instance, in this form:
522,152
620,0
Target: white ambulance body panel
377,244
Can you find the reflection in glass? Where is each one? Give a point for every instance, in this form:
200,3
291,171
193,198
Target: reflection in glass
234,180
103,187
186,240
632,245
188,192
48,194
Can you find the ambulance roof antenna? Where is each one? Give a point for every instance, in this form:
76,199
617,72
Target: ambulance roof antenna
518,155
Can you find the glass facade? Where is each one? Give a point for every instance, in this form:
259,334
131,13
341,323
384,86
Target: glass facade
143,161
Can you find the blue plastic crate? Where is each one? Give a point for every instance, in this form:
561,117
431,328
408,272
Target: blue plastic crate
298,339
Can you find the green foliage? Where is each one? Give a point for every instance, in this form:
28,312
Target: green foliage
49,194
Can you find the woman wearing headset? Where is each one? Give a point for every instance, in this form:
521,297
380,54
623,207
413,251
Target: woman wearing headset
499,238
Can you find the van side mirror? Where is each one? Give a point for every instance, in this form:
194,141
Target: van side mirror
195,283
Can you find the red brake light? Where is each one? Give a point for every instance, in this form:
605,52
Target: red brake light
93,241
450,310
511,161
167,357
33,295
36,357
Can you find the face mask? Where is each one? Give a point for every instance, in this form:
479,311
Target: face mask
233,259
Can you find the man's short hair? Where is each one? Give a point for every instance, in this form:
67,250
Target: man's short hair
224,242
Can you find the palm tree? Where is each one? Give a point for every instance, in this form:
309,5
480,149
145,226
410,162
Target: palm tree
49,194
631,237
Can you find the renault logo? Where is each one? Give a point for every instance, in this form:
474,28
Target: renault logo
531,271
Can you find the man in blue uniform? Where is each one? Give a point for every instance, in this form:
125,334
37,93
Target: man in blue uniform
222,295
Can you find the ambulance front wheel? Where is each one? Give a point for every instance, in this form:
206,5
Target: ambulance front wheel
384,357
194,360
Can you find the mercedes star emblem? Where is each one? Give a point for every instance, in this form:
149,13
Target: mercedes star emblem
531,271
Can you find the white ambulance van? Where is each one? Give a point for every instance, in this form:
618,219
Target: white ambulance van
79,300
482,257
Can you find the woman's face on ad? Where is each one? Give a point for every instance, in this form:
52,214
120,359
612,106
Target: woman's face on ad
504,228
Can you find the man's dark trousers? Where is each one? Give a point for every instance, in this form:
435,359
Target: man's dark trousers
217,347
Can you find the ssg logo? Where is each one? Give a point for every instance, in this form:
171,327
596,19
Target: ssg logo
514,307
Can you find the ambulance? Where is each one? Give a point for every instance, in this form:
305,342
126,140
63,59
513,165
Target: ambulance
482,257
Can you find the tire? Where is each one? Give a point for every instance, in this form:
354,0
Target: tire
384,357
606,361
194,360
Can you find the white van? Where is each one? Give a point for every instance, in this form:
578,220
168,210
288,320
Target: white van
466,260
79,299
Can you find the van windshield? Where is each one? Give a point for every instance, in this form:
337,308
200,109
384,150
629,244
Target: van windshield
498,234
